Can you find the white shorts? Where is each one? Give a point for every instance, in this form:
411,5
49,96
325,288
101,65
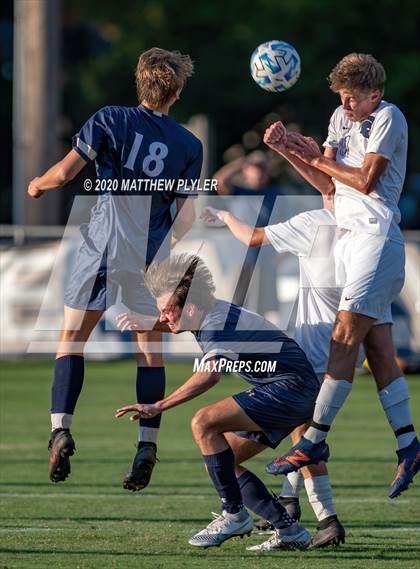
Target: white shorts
370,268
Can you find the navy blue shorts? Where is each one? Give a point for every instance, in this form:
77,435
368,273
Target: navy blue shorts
278,407
90,289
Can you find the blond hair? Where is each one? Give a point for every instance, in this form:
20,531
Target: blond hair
182,275
160,74
357,72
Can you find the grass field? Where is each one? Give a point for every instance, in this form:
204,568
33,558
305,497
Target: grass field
90,521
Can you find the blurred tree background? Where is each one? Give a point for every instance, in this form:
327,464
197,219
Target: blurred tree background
102,39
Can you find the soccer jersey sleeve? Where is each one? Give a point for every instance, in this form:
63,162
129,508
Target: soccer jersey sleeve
191,172
93,136
333,137
388,128
293,236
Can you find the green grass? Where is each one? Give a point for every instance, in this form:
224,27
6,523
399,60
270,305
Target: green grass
90,521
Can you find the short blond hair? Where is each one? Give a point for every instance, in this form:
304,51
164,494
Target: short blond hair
357,72
160,74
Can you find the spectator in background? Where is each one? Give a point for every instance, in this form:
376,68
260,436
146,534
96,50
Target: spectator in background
248,179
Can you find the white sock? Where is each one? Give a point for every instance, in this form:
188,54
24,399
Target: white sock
320,496
331,398
395,401
61,421
148,434
292,485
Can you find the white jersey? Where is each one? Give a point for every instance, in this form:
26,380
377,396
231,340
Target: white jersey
383,132
311,236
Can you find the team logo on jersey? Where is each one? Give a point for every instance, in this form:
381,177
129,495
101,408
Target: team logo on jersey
343,146
366,126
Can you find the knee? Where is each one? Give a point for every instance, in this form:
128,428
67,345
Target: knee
200,424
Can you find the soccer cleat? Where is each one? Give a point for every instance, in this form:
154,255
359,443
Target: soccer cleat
292,507
329,532
293,537
408,466
223,527
138,477
61,447
303,453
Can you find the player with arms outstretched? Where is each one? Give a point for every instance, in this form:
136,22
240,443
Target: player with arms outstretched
365,155
125,233
279,398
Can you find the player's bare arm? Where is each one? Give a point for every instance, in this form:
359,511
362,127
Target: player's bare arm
197,384
250,236
277,138
362,179
58,175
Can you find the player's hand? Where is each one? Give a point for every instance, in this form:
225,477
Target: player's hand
214,217
304,147
33,191
129,321
140,410
275,136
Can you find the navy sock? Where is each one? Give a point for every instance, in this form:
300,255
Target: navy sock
150,387
221,469
257,498
69,372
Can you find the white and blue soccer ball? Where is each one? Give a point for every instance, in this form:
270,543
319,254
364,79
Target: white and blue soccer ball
275,66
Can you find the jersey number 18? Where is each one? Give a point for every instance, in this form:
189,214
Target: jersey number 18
153,163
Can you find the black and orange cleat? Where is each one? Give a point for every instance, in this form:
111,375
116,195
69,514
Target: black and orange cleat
61,447
302,454
408,466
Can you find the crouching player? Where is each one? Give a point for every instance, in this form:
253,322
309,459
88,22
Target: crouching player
239,427
310,236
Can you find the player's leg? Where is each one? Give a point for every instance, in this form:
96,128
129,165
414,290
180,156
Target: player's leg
150,387
67,385
293,483
209,428
349,332
394,396
318,488
288,533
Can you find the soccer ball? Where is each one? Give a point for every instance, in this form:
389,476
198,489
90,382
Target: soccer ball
275,66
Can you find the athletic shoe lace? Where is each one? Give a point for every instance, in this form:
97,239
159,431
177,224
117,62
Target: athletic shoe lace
218,524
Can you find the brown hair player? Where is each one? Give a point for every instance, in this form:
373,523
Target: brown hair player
125,233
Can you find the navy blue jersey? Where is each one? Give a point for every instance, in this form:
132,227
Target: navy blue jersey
234,333
135,143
